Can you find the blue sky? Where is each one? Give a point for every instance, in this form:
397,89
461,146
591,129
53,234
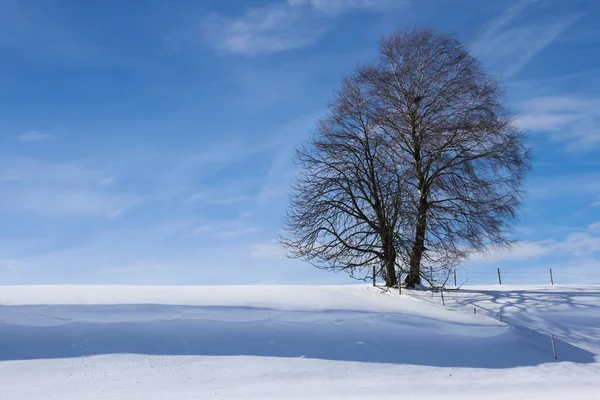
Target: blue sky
152,142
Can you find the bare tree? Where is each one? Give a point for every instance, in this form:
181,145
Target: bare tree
417,165
345,211
462,156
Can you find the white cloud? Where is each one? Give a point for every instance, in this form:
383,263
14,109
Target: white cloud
281,26
594,227
520,251
509,42
580,244
571,119
545,122
263,31
33,136
574,245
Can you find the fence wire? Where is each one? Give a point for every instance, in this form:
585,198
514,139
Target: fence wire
513,276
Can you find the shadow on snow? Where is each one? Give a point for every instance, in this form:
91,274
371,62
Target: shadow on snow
42,332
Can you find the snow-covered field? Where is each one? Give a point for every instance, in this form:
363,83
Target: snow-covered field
318,342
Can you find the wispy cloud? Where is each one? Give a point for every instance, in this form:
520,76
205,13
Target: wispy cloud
33,136
223,230
141,273
279,176
37,172
211,158
571,119
156,254
60,189
280,26
269,250
219,198
583,185
70,202
41,31
511,40
343,6
10,178
10,264
276,183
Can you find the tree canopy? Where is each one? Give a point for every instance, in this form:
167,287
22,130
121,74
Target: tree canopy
417,163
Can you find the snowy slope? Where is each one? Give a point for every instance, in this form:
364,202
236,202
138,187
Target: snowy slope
115,342
570,313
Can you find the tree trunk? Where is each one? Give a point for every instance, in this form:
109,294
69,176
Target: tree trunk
414,275
390,268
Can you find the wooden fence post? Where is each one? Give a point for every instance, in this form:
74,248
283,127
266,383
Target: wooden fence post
499,278
431,275
454,278
374,281
553,347
400,283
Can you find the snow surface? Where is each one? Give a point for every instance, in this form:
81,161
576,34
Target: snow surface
322,342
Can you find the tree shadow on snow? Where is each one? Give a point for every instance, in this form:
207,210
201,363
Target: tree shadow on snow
573,313
45,332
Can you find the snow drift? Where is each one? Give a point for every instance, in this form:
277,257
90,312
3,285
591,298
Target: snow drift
293,341
353,323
